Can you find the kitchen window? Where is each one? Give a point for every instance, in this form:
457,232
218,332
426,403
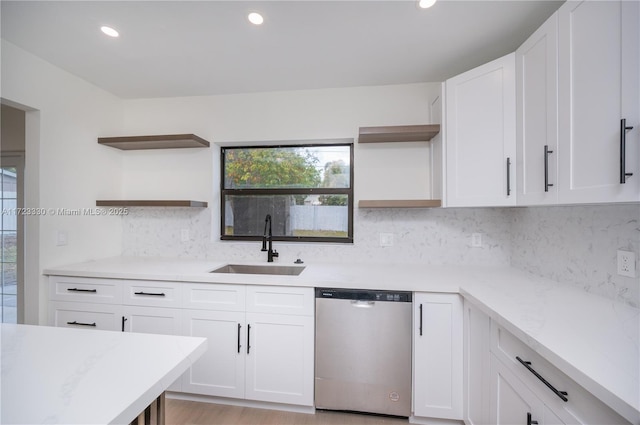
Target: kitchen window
307,190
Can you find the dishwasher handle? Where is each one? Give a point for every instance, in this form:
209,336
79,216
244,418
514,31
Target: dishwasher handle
362,304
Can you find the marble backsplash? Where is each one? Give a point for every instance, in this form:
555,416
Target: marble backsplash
430,236
578,245
575,245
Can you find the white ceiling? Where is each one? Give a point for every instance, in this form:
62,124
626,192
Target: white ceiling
186,48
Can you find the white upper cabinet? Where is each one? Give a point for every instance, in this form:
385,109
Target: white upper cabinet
599,79
537,116
480,136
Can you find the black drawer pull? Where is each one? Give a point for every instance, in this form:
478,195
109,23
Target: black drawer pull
547,152
530,420
82,290
82,324
508,176
562,394
239,346
623,154
248,338
420,319
154,294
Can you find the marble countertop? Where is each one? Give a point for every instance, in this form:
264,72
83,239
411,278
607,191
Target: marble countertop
75,376
592,339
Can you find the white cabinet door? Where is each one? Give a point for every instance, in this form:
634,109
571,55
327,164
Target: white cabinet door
82,315
220,370
151,320
537,116
598,87
512,402
477,361
280,350
481,136
437,345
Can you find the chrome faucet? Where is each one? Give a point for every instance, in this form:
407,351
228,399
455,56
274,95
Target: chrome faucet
270,252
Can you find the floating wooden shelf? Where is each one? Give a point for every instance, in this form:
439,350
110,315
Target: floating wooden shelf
398,133
152,203
168,141
407,203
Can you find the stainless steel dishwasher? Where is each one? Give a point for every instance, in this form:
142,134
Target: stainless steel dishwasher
363,351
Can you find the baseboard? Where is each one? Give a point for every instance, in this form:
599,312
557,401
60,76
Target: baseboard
433,421
239,402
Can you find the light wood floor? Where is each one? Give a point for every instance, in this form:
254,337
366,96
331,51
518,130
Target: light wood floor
182,412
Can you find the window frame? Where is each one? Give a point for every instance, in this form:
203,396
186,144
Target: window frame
289,191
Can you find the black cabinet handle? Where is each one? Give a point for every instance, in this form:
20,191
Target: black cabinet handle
154,294
547,185
82,290
420,319
248,338
530,421
124,319
623,146
82,324
239,346
562,394
508,176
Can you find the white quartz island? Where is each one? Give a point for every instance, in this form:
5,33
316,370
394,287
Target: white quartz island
71,376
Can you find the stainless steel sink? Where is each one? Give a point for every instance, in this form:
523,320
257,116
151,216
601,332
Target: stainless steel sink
259,269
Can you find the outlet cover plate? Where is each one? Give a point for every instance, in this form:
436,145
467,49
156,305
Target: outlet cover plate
386,239
627,263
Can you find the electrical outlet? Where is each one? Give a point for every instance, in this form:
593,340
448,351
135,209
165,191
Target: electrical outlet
627,263
61,238
476,240
184,235
386,239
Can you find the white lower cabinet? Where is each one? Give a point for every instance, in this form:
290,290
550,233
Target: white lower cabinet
476,365
279,365
506,382
82,315
437,356
220,370
260,338
256,356
513,403
151,320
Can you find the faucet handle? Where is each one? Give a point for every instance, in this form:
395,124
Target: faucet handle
275,253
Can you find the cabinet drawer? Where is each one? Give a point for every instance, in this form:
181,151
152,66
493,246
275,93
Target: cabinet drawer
280,300
211,296
102,291
152,293
581,405
84,316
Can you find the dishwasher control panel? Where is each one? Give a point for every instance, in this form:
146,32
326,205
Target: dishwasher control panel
364,295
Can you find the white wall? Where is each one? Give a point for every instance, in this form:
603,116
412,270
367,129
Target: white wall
65,167
381,171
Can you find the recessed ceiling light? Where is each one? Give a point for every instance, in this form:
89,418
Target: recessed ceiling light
109,31
425,4
255,18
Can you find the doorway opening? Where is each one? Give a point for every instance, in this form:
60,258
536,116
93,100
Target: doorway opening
12,155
